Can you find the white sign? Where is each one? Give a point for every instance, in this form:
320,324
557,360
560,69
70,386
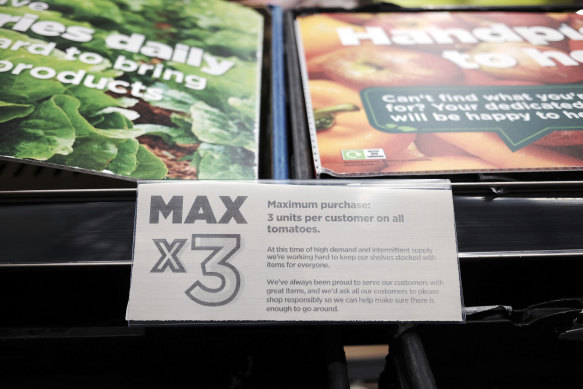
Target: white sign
265,251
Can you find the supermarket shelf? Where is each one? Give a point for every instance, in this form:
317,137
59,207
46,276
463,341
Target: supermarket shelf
66,258
95,227
75,248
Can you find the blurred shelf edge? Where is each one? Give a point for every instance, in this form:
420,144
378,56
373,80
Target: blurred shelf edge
92,227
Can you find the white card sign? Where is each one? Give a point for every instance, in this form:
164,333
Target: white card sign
270,251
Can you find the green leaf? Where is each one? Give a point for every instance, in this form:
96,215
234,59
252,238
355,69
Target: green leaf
239,81
233,42
11,111
26,89
244,110
92,100
91,150
180,135
173,99
114,120
71,105
95,120
213,126
129,133
223,162
45,132
126,160
93,153
141,5
149,166
90,10
215,15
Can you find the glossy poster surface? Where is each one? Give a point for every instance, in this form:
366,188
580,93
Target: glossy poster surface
443,92
143,90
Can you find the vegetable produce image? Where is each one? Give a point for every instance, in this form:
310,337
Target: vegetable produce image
365,66
154,89
432,92
341,123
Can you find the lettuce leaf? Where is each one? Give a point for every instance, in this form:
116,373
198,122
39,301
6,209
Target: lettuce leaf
223,162
126,160
148,165
180,135
92,152
213,126
11,111
91,10
92,100
42,134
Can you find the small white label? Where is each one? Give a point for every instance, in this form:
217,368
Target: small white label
223,251
374,154
360,154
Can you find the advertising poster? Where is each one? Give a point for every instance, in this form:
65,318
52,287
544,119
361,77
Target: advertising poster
443,92
152,89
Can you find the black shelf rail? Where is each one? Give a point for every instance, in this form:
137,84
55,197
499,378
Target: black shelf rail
76,227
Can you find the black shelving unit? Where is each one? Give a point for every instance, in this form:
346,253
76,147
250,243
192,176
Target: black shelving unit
65,272
65,264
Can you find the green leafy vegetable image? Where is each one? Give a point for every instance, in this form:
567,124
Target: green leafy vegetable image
147,89
10,111
47,131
